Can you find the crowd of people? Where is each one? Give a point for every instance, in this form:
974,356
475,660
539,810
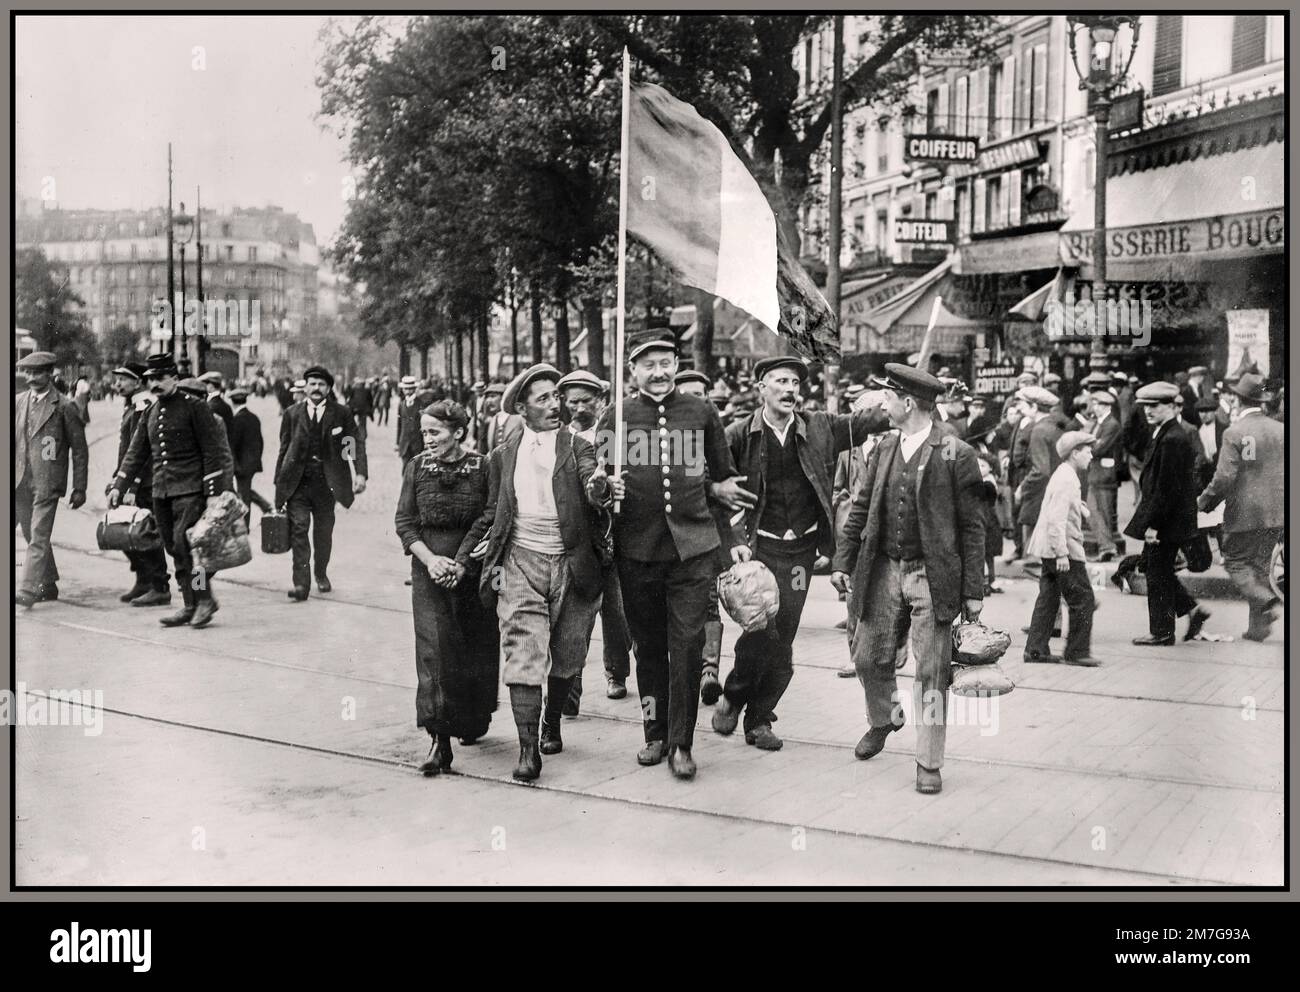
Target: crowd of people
529,513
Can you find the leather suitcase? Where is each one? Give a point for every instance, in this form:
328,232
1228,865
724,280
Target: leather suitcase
128,528
275,533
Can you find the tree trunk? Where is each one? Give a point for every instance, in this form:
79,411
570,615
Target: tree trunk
458,358
514,337
403,360
562,334
592,319
535,304
483,346
702,344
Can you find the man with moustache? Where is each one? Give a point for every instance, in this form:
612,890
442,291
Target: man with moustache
784,457
190,464
151,587
319,448
667,534
540,567
48,432
491,423
914,546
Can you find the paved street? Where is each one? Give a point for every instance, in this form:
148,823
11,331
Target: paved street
279,747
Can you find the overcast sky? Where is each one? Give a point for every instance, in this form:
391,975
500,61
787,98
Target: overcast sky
98,98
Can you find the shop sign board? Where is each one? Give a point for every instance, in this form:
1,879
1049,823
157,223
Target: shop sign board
997,380
1261,231
924,232
1248,338
940,148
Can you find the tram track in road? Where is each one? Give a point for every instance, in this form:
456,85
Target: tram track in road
741,820
835,745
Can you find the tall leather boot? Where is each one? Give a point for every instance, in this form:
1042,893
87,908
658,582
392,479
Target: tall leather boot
183,616
526,703
710,686
557,695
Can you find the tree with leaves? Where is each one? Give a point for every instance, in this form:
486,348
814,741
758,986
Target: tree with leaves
48,308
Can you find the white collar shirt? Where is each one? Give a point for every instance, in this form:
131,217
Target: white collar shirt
908,444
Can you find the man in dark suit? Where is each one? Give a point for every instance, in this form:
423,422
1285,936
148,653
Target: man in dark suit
409,441
1103,481
362,404
189,454
151,587
540,566
1044,434
1198,388
319,448
48,432
490,426
1165,517
1210,430
914,546
216,386
668,534
246,449
1251,479
784,458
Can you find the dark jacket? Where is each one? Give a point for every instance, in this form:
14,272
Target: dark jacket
222,409
1250,476
360,400
246,442
696,525
1167,501
409,441
951,522
188,445
341,446
1109,448
575,461
132,417
57,428
819,438
1042,463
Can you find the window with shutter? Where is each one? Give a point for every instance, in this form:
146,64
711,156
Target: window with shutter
1167,72
942,113
1248,37
959,115
978,206
932,111
1038,85
993,130
1014,181
979,103
962,197
1007,98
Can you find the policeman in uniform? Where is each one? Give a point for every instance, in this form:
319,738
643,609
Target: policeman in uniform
667,536
191,464
151,586
47,429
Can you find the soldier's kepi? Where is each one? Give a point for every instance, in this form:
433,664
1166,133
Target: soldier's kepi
918,504
667,537
191,462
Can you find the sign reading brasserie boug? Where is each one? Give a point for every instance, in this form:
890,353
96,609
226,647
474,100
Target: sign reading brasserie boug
940,148
1262,231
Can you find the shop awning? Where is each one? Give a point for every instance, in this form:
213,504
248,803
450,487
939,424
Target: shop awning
1014,254
899,324
1165,224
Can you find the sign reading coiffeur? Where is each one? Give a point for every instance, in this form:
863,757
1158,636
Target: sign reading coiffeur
923,232
940,148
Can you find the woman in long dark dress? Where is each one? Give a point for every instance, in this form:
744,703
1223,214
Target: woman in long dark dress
444,490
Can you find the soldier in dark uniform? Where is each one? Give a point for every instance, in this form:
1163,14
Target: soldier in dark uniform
666,537
151,586
191,463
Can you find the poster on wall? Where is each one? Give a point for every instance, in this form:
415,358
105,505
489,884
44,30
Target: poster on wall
1248,339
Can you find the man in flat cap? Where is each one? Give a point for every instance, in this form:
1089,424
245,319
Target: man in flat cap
1198,387
321,462
540,569
1165,517
189,456
492,423
784,461
914,546
48,433
215,384
246,446
152,585
581,394
1251,480
1050,423
1103,471
667,534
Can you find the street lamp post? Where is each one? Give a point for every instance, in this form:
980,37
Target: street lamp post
1104,73
183,225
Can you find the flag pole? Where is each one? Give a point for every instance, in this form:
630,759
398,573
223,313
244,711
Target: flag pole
620,312
927,342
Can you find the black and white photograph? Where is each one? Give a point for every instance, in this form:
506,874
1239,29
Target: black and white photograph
607,450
